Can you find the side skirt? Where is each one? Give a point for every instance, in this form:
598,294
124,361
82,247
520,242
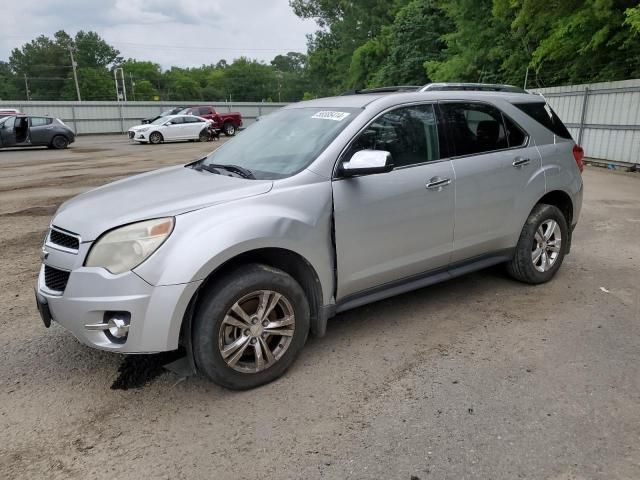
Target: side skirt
415,282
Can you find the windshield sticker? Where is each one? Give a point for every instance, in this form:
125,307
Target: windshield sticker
329,115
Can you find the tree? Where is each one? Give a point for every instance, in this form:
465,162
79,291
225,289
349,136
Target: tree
9,84
415,37
145,90
345,25
47,64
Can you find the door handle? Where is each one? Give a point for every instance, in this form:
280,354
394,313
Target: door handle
521,162
436,183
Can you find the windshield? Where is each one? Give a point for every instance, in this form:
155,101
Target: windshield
285,142
3,119
159,121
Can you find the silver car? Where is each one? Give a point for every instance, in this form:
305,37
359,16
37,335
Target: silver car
321,207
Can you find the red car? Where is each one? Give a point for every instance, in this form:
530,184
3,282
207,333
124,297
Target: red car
229,123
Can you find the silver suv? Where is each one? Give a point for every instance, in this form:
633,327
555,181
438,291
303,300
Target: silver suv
318,208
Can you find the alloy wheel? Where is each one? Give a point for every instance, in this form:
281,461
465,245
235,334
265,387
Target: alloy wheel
256,331
547,244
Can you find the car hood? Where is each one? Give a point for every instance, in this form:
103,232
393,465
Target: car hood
166,192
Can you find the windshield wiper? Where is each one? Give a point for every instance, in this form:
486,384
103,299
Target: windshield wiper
216,167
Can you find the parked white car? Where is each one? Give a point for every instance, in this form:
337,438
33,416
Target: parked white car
169,129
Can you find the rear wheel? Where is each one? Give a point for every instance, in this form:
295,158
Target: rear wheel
250,327
156,138
542,246
59,142
229,129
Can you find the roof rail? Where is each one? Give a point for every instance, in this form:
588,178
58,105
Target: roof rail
390,89
482,87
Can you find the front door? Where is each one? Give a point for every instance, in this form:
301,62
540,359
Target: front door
8,133
498,178
391,226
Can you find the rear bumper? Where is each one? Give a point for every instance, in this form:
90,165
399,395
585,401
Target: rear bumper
91,293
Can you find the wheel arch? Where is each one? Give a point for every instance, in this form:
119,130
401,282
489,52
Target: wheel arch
283,259
561,200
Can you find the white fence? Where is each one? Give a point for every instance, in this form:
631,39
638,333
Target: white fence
603,117
116,117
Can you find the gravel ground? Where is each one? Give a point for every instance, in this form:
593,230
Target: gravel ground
480,377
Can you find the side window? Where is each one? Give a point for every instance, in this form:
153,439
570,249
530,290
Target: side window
203,111
177,121
40,121
515,136
410,134
474,127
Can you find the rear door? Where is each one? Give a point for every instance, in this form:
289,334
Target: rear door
392,226
193,126
498,177
41,130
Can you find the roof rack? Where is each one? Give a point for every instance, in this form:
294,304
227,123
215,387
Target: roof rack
390,89
482,87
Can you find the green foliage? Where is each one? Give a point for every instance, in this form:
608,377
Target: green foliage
362,43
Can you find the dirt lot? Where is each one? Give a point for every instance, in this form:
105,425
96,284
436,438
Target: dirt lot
480,377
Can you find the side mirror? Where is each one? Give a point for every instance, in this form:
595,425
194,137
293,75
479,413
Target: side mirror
367,162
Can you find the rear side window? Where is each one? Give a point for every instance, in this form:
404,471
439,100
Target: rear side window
204,111
474,127
40,121
544,114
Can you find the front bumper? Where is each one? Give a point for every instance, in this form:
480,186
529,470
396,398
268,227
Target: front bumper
91,293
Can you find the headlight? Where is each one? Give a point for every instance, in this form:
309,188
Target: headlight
124,248
142,129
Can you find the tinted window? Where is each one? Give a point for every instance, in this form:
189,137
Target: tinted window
203,111
515,135
474,128
544,114
192,120
177,120
409,134
40,121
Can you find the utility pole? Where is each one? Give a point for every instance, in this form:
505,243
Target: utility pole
75,73
26,87
526,77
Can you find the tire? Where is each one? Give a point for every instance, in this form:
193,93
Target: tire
203,137
229,129
155,138
59,142
228,349
538,256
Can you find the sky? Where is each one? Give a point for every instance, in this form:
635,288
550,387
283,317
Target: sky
169,32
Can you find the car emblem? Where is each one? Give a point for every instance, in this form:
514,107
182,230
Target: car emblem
44,254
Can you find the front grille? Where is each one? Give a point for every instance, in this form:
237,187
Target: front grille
55,279
64,240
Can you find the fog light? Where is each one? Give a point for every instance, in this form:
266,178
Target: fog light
115,326
118,327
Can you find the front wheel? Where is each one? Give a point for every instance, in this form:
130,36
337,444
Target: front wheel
155,138
542,246
250,327
229,129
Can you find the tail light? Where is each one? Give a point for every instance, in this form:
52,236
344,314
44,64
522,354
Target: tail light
578,154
